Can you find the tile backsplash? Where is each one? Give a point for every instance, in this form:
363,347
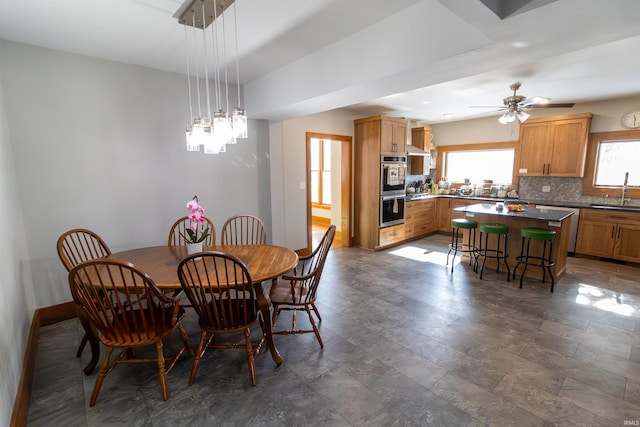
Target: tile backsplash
563,190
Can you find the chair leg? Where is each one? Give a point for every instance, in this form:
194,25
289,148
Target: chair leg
315,309
313,325
202,347
83,343
549,261
162,371
185,339
506,255
250,357
526,261
101,374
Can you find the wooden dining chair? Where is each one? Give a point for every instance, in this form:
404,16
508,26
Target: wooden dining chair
221,291
297,290
75,247
135,314
244,230
179,229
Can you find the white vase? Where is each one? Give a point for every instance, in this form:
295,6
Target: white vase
193,248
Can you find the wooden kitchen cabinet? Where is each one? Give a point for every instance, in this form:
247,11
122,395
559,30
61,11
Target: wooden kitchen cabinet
554,146
369,134
393,135
420,138
391,235
446,210
609,234
420,218
444,214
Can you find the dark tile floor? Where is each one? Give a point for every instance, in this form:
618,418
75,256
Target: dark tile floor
406,343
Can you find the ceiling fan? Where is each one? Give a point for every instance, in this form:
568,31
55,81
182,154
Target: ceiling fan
515,105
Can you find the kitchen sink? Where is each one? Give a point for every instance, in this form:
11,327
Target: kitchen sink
623,207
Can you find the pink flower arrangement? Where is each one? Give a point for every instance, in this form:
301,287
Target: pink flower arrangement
196,232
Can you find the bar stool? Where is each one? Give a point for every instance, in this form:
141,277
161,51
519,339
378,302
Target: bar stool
543,260
458,245
500,230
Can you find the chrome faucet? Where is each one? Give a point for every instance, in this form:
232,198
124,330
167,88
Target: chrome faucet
624,187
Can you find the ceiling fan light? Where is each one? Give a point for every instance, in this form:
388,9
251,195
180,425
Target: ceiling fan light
522,115
503,119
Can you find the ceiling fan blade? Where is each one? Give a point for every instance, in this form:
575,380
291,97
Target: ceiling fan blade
554,105
535,100
501,107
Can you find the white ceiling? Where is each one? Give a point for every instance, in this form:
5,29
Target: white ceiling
300,57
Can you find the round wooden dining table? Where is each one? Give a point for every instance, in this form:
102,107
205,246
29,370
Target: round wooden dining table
264,262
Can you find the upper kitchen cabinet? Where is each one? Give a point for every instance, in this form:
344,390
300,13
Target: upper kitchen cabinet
554,146
419,164
393,135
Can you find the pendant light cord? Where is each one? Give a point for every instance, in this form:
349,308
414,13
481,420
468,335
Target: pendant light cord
206,68
186,43
235,29
195,49
224,59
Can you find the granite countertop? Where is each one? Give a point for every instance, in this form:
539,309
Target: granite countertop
529,213
566,204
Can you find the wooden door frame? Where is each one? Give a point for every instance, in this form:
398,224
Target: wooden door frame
346,179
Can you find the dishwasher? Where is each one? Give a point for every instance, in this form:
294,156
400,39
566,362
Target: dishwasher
573,225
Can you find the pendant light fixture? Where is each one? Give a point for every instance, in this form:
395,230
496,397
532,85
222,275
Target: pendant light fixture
210,131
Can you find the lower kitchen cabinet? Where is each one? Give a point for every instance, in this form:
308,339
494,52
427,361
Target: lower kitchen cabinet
420,218
609,234
390,235
446,210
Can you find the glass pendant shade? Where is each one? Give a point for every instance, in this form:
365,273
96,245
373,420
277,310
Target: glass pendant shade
192,145
239,123
222,128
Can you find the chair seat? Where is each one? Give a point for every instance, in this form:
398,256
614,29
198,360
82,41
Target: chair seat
537,233
281,292
149,327
464,223
493,228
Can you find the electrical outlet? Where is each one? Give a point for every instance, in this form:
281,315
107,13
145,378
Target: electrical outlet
546,188
302,186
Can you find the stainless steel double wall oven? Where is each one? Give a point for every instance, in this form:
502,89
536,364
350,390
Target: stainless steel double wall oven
393,169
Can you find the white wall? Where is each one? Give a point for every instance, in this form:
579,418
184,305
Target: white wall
100,145
16,287
288,169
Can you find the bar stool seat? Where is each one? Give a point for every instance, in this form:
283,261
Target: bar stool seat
500,230
542,260
458,245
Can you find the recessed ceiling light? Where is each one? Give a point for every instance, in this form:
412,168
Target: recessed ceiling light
447,115
519,45
425,102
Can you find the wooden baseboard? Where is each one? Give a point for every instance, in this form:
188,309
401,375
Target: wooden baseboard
41,317
321,220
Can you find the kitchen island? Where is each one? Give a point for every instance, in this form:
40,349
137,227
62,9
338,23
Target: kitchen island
549,219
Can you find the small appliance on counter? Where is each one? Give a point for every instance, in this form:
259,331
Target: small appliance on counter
466,190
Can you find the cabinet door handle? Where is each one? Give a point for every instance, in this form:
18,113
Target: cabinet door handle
619,232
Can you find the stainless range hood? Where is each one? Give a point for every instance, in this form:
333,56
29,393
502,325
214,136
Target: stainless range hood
415,151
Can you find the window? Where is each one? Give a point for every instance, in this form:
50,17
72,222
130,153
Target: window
477,162
477,166
609,156
615,158
320,172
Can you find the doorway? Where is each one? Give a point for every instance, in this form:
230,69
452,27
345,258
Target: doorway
337,210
